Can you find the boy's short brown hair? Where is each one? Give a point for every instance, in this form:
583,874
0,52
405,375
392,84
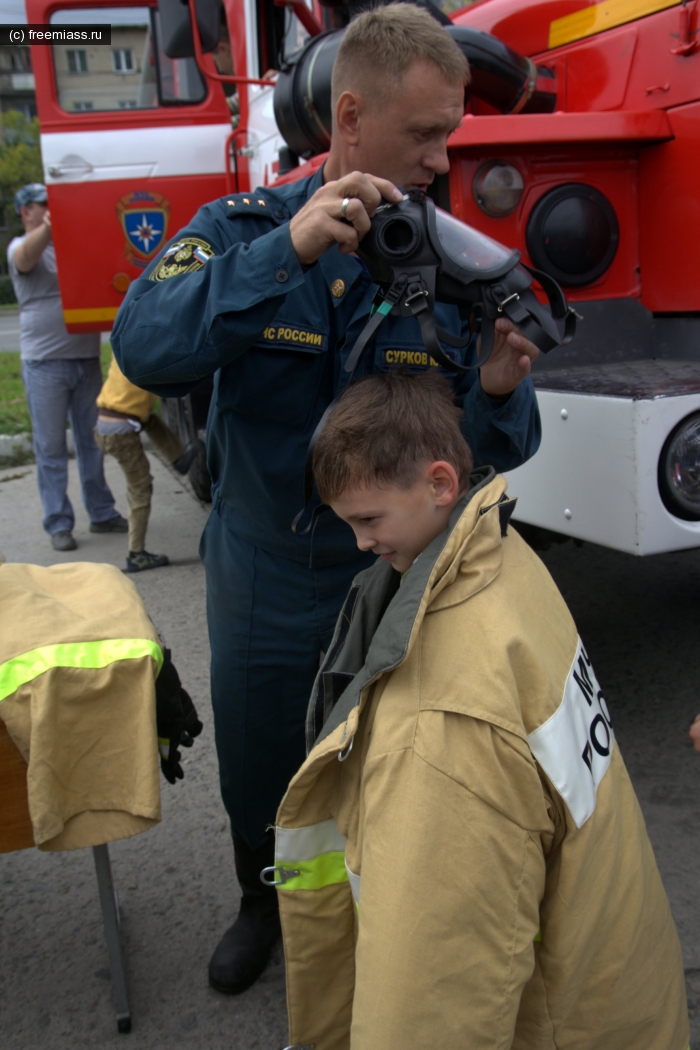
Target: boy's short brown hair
384,429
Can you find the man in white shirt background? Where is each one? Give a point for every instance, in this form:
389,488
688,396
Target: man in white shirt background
62,378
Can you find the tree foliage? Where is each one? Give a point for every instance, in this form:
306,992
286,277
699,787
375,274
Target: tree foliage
20,161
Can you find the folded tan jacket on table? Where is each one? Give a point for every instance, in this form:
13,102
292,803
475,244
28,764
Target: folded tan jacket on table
78,661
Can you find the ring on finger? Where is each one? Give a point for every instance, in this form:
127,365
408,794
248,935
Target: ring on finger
344,208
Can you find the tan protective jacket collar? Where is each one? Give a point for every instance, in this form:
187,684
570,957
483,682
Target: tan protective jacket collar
366,645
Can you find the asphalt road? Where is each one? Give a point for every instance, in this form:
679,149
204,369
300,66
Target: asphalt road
9,330
639,620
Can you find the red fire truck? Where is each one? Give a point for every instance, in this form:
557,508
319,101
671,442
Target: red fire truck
580,146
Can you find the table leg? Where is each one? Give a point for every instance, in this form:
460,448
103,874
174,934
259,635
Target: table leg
110,918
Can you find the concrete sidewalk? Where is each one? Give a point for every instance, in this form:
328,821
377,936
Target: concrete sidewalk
176,882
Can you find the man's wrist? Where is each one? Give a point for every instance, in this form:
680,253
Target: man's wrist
498,399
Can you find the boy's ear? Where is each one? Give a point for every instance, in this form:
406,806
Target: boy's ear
443,480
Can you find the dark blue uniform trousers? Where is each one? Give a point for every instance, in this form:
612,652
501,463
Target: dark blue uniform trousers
269,620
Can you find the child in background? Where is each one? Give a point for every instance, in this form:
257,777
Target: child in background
461,861
124,410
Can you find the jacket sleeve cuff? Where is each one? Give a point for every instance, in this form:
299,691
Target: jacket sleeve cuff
506,413
502,433
277,267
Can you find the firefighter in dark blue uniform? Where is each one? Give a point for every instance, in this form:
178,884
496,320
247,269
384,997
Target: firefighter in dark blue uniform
262,290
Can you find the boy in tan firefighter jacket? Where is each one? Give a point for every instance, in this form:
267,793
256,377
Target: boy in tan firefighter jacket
461,861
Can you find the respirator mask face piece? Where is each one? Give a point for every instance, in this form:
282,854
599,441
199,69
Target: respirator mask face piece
471,251
420,255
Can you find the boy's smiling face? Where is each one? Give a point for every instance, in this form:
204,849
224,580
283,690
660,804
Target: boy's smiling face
399,523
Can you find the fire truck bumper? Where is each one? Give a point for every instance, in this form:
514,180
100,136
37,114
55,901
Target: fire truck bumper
599,473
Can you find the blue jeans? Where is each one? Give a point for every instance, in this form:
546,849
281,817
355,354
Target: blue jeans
56,391
269,619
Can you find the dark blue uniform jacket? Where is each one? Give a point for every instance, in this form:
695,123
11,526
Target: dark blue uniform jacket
228,296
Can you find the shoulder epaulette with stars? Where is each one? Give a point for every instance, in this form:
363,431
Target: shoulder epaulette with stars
253,204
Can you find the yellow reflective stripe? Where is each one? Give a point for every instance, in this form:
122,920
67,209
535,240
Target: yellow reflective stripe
89,655
599,17
90,315
324,870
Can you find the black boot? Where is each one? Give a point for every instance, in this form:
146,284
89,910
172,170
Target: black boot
244,950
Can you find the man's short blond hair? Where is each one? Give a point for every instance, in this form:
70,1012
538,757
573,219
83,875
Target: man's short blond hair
379,47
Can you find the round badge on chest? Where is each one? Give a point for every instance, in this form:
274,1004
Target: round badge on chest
338,288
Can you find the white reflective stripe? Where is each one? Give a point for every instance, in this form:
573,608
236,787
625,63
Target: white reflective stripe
354,883
575,745
295,844
191,149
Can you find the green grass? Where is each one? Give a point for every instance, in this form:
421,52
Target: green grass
105,357
14,414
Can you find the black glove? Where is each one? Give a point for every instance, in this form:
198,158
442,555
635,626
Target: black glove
176,719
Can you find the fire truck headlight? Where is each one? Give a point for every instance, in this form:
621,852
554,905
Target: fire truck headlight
572,234
679,470
498,188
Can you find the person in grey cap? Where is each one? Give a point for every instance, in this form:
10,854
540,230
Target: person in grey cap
62,378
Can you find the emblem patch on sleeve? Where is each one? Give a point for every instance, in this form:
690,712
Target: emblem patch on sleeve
574,746
185,256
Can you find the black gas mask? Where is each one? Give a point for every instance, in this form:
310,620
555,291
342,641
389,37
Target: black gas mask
419,254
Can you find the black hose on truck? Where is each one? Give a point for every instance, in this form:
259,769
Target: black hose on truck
509,82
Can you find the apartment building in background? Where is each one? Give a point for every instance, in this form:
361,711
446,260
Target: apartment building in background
107,78
16,81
